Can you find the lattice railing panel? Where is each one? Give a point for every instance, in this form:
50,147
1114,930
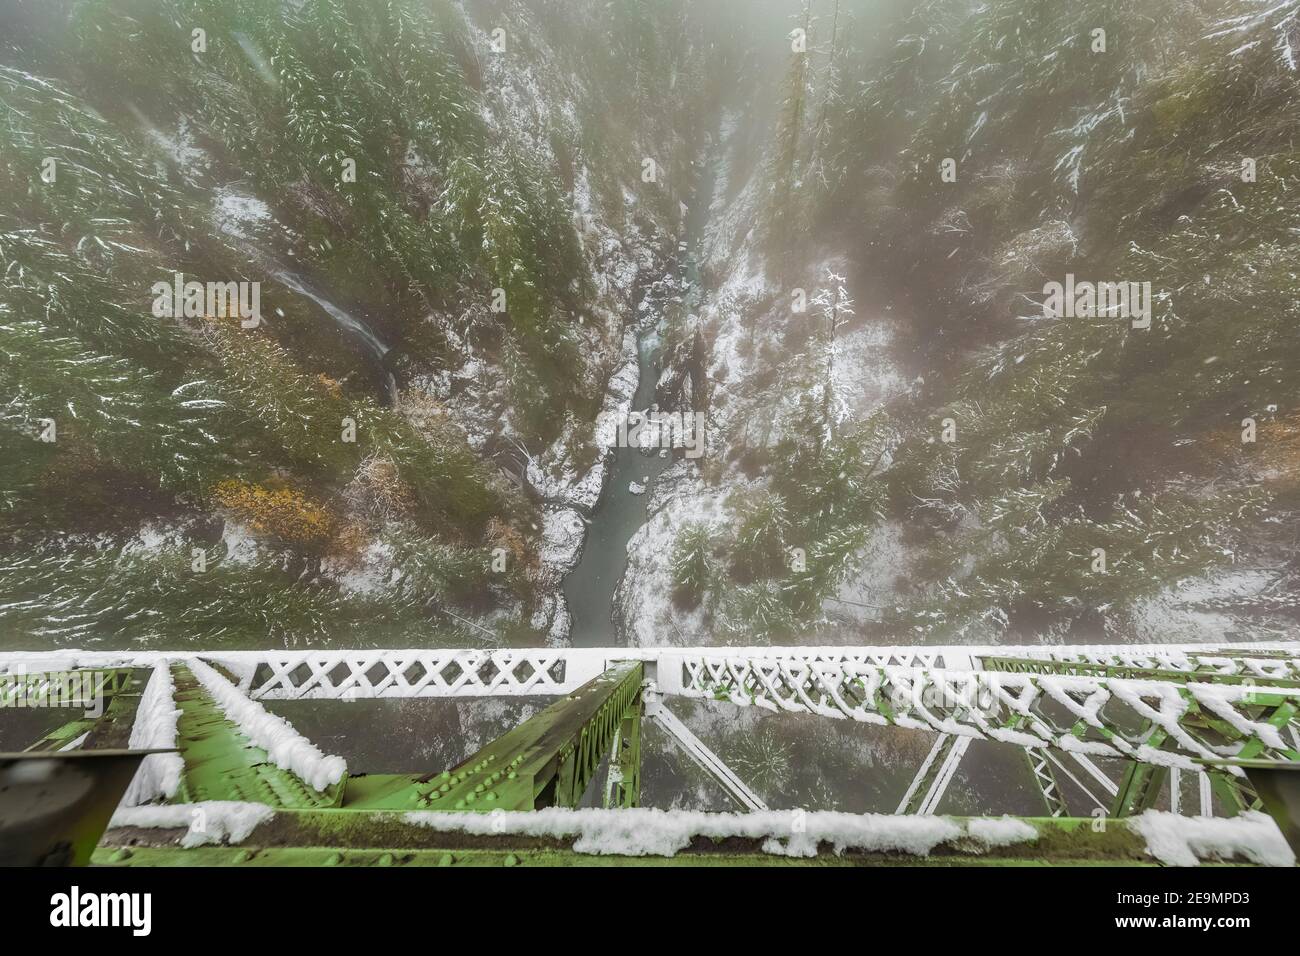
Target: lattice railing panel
433,673
1113,717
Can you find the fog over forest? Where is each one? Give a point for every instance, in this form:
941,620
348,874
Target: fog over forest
549,323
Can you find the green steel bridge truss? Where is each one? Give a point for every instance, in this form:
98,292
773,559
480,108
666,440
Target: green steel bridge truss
1221,714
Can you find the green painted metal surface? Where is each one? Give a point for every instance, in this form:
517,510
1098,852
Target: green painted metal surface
547,761
64,688
623,784
343,838
1029,665
109,728
550,760
1278,786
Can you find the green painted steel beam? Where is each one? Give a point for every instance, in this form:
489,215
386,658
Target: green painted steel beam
74,688
107,722
222,764
348,838
1030,665
529,856
1139,789
547,761
623,784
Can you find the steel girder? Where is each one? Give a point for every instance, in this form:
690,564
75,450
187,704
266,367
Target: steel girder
546,761
1197,717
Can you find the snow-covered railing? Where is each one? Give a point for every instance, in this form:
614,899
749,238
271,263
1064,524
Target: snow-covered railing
1237,707
507,672
1158,704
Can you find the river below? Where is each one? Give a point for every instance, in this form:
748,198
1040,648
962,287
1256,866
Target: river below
622,508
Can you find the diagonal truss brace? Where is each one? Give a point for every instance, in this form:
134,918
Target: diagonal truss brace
1165,717
1045,778
936,772
706,759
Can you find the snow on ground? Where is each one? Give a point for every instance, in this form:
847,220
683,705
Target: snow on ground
1173,616
870,586
745,319
729,232
372,573
561,620
563,533
644,595
237,214
563,530
554,475
153,538
178,146
866,374
240,543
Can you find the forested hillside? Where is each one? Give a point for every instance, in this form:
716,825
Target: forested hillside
443,221
829,227
921,450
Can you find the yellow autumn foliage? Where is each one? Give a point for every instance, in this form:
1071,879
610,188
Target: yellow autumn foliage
281,512
331,385
501,535
1274,455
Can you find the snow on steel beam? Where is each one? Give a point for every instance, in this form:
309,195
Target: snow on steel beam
159,775
924,774
425,672
284,746
168,835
